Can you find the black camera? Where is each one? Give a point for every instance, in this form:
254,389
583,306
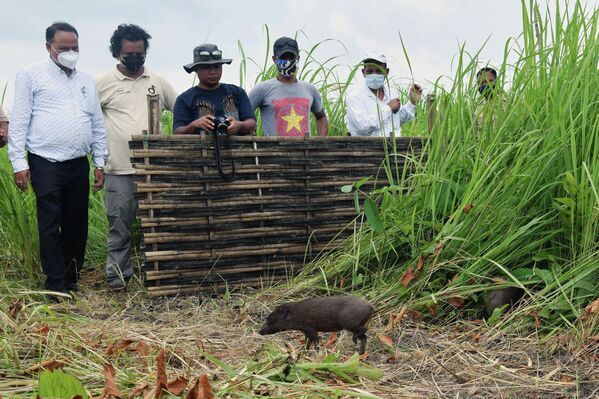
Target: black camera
221,125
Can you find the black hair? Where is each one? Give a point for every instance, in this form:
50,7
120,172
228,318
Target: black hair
59,26
486,69
130,32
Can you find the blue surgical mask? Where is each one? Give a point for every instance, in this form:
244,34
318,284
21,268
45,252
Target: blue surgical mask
375,80
286,67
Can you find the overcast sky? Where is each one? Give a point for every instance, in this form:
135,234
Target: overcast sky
432,31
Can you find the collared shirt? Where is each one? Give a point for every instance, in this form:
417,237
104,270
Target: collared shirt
55,116
367,115
3,117
125,107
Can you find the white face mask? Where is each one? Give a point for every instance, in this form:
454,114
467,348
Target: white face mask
68,59
375,80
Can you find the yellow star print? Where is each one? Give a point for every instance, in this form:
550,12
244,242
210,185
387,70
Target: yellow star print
293,120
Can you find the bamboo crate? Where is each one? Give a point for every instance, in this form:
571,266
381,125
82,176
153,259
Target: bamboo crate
283,207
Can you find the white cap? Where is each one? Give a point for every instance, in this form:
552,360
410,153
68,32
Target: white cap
376,56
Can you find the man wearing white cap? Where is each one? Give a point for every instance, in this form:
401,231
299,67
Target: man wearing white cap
371,111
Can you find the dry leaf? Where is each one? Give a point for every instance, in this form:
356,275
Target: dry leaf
45,365
416,315
142,349
498,280
387,340
161,377
139,391
177,386
438,248
533,313
457,301
592,308
432,309
568,379
331,341
468,208
206,388
392,359
407,277
342,282
476,337
363,358
110,388
117,347
42,329
420,264
15,308
152,394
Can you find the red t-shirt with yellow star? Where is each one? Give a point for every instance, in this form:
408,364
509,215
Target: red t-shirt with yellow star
285,108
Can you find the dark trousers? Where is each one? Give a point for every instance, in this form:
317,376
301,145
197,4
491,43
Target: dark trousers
62,193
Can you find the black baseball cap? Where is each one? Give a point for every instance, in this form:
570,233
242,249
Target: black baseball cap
206,54
285,45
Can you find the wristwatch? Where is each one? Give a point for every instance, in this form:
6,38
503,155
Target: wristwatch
100,168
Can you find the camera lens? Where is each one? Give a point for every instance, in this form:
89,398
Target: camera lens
221,128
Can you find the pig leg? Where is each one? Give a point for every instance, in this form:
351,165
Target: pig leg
311,337
360,334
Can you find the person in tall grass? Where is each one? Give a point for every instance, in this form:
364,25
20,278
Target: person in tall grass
3,128
122,91
285,102
56,121
196,108
486,105
371,111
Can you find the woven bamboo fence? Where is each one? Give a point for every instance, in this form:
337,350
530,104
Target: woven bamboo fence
283,207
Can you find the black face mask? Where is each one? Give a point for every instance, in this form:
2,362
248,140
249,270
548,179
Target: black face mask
486,90
133,62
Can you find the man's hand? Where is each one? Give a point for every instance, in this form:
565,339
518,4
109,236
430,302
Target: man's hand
394,104
234,125
3,134
98,179
415,94
22,179
205,122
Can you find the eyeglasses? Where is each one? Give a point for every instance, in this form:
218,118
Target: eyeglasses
205,55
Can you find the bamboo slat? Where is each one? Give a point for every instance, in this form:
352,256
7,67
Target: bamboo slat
283,207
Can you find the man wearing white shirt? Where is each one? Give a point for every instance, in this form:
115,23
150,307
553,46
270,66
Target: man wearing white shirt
56,121
371,111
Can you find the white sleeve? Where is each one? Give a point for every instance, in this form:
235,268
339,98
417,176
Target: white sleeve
365,115
19,124
99,145
407,113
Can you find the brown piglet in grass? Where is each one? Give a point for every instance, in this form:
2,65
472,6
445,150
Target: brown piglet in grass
325,314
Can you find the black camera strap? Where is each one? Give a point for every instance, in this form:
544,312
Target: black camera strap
218,156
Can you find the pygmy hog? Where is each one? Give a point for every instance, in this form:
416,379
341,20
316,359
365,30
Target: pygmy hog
503,296
326,314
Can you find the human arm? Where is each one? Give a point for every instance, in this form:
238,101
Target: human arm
3,133
365,114
183,118
247,119
322,123
21,117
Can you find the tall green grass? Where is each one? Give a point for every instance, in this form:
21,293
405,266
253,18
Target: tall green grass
514,199
511,201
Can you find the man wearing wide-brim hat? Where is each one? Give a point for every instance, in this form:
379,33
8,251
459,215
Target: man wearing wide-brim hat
196,108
